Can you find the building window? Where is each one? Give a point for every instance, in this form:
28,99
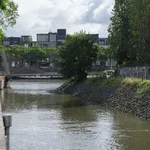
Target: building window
102,42
102,63
26,45
6,43
52,37
42,37
45,45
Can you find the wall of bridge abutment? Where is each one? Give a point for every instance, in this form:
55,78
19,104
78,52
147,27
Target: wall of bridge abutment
4,82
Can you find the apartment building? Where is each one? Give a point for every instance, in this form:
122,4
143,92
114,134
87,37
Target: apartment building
61,36
26,40
47,40
9,41
103,42
43,40
52,39
95,38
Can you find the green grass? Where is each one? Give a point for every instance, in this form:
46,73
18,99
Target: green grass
132,82
142,86
113,82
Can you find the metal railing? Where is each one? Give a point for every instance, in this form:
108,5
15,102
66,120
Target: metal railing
135,72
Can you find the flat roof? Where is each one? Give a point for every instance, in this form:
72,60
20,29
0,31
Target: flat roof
42,34
26,35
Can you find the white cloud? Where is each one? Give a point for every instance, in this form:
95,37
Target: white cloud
38,16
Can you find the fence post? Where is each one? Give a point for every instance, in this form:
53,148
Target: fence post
137,72
145,73
130,72
148,72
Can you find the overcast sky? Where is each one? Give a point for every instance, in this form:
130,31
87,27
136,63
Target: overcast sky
41,16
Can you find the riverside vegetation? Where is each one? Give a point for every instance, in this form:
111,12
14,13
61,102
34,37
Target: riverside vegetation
128,95
129,36
129,31
8,15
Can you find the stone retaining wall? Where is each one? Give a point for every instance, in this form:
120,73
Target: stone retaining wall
122,99
2,82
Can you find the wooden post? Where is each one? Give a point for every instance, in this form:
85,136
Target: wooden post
2,82
7,82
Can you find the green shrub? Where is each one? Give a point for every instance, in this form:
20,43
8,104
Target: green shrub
114,82
142,86
132,82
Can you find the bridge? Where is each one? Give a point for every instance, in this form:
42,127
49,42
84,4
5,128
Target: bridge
51,75
47,75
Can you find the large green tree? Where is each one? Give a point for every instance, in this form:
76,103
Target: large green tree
129,31
52,54
34,55
104,53
139,17
8,15
16,52
119,31
77,55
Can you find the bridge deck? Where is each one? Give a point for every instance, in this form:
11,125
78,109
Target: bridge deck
37,76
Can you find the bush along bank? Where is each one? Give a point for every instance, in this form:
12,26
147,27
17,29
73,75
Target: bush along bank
128,95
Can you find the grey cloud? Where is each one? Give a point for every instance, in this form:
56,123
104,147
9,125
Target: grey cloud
51,16
102,18
89,15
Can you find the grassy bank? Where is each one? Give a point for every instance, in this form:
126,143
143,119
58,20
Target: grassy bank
142,86
127,95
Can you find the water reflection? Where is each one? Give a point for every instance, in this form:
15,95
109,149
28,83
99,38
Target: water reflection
17,101
90,124
60,122
132,132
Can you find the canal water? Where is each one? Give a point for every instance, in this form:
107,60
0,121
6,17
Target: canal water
43,120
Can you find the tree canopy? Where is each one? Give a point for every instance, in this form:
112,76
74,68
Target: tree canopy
33,55
77,54
104,53
129,31
8,15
